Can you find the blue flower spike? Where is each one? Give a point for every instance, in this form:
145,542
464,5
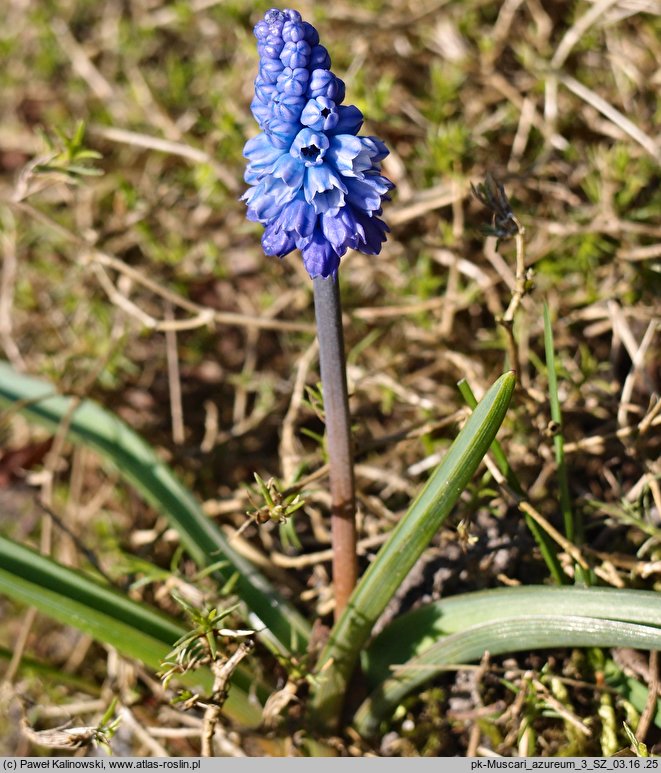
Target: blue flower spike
314,183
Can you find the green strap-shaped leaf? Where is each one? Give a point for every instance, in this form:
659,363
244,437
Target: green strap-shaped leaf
412,633
403,548
93,426
134,629
498,637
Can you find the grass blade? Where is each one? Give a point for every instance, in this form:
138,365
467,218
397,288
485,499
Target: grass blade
520,634
109,436
135,630
405,545
558,437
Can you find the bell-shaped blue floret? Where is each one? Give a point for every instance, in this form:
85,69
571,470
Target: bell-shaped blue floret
310,35
324,189
342,230
319,58
350,155
310,147
321,114
293,80
290,170
261,113
277,243
319,257
262,157
296,54
366,194
323,83
293,30
281,133
374,232
288,108
270,70
297,217
350,119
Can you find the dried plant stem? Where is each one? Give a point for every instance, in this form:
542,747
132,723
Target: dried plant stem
566,544
520,280
8,248
222,671
517,296
174,380
647,717
338,433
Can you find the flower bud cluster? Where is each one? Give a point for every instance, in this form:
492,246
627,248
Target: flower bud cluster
314,183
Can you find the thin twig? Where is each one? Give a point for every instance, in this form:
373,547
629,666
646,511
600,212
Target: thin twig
428,201
636,365
564,543
649,711
288,455
222,672
19,645
80,546
174,381
172,148
569,40
595,443
560,708
7,285
520,274
577,30
651,419
141,733
83,65
613,115
313,559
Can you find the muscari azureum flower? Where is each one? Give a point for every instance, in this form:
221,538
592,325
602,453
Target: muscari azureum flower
315,184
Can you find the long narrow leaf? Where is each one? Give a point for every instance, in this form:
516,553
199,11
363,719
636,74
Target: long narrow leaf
133,629
520,634
410,634
558,438
403,548
496,449
136,461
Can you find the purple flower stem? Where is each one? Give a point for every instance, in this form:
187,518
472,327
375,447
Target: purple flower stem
328,312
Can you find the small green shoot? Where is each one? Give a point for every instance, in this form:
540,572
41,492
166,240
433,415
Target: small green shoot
66,160
637,747
314,400
69,155
198,646
572,527
277,507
